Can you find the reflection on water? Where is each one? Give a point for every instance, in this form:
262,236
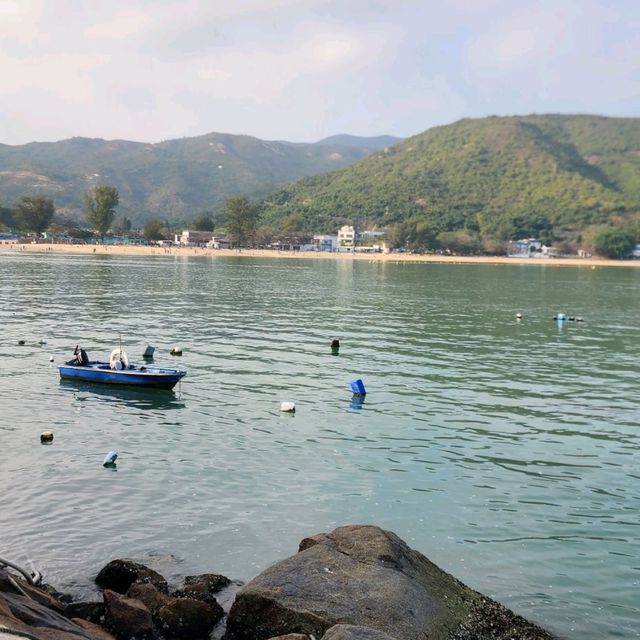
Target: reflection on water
150,399
507,451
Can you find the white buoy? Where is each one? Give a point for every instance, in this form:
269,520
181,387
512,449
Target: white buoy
110,459
50,358
288,406
518,316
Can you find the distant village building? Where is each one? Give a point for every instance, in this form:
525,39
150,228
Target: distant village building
8,238
325,243
219,241
636,252
347,237
190,238
370,236
530,248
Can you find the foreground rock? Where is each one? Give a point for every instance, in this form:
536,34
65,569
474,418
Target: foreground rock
367,577
27,610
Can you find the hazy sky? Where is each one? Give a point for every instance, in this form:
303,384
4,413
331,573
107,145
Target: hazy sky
301,70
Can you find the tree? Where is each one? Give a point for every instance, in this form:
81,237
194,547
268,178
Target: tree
34,214
153,230
613,242
203,222
241,219
121,225
6,218
100,205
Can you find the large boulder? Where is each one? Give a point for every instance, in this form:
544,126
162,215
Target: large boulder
127,617
119,575
188,619
364,576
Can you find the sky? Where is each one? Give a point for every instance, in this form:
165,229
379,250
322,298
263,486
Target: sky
301,70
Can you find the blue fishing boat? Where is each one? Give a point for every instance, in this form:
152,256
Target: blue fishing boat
118,370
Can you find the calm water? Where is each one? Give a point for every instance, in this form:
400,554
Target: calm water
508,452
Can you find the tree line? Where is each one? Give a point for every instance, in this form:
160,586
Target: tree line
245,226
35,214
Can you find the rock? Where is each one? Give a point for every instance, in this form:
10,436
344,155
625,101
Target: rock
127,617
291,636
38,594
94,630
148,595
188,619
119,575
34,616
91,611
351,632
207,582
364,576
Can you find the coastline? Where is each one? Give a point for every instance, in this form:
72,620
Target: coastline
133,250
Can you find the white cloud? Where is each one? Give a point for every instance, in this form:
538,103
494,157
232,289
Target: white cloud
303,69
121,25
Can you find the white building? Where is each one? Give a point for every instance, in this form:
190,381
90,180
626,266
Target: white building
219,241
347,236
194,238
325,243
525,248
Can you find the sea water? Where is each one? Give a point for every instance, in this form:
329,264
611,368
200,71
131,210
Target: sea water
505,450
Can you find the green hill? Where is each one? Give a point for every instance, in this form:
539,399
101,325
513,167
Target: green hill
171,180
494,177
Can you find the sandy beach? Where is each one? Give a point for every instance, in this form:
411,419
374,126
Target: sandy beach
130,250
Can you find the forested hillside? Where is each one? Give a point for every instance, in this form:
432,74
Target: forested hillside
172,180
496,177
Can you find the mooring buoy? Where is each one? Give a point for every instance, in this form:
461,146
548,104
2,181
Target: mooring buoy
46,436
110,459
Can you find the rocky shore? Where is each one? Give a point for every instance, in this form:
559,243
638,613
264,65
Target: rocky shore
358,582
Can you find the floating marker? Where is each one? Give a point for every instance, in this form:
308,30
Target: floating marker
110,459
518,316
288,406
335,344
561,317
42,342
50,358
20,342
176,351
357,386
148,352
46,436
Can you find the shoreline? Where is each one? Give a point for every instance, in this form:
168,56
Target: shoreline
137,250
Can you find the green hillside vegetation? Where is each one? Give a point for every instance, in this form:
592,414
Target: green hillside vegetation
173,180
486,180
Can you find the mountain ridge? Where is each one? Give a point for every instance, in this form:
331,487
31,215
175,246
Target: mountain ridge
172,179
484,176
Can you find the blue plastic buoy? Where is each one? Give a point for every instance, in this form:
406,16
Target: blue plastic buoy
357,386
110,459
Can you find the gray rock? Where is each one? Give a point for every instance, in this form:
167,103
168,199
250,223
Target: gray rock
364,576
351,632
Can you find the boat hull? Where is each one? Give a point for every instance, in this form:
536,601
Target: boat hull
142,377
